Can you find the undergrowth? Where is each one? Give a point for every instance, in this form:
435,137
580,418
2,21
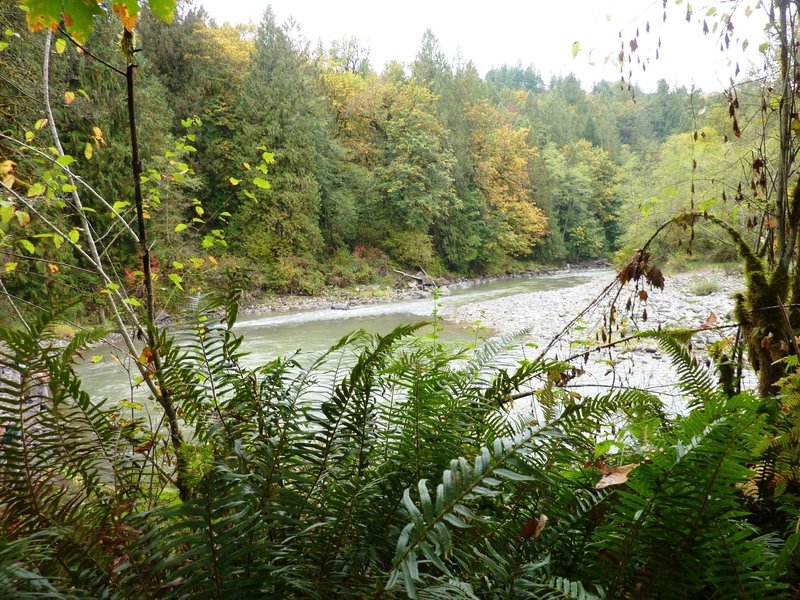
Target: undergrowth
385,467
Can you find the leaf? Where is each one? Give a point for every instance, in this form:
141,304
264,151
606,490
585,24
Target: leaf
23,217
10,266
65,160
614,476
58,241
74,235
132,302
53,268
262,183
87,151
69,98
576,47
180,227
96,359
233,181
61,45
164,9
177,265
176,279
28,246
147,356
120,205
533,528
6,214
77,15
37,189
127,11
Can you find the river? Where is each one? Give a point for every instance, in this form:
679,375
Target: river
269,335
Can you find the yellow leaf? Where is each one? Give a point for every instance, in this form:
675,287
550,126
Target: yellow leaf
87,151
212,260
61,45
9,180
614,476
53,268
69,97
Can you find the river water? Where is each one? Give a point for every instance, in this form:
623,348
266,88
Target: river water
267,336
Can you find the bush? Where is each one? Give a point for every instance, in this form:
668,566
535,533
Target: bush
293,275
411,249
703,286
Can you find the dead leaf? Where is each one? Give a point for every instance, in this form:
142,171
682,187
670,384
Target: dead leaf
614,476
533,528
711,319
147,356
53,268
643,295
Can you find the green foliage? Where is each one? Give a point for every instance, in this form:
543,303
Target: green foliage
386,466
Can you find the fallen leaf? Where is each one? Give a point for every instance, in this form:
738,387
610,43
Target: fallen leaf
53,268
614,476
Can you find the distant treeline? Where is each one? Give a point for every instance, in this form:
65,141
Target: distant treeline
309,168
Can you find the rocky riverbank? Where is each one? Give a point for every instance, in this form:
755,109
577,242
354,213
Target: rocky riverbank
696,300
406,287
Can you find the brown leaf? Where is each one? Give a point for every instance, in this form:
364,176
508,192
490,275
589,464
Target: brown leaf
614,476
147,356
643,295
53,268
533,528
141,449
656,278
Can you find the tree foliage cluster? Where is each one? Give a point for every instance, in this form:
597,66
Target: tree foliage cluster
428,165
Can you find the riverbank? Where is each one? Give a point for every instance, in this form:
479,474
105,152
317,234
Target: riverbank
693,300
404,288
686,301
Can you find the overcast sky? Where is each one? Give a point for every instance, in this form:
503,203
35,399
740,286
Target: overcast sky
538,32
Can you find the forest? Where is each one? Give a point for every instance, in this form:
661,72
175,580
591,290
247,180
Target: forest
155,162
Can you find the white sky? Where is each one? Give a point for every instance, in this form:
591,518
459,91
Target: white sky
538,32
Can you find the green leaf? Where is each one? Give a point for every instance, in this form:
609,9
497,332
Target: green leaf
28,246
74,235
96,358
180,227
65,160
177,265
601,448
207,242
132,302
58,241
576,47
176,279
120,204
61,45
37,189
77,15
164,9
68,188
88,151
10,266
6,214
262,183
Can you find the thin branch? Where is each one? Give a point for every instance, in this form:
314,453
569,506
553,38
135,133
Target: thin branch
75,178
13,305
88,53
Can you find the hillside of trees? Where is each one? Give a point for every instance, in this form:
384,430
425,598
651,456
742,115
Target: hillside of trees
305,166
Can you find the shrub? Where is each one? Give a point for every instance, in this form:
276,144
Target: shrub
703,286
